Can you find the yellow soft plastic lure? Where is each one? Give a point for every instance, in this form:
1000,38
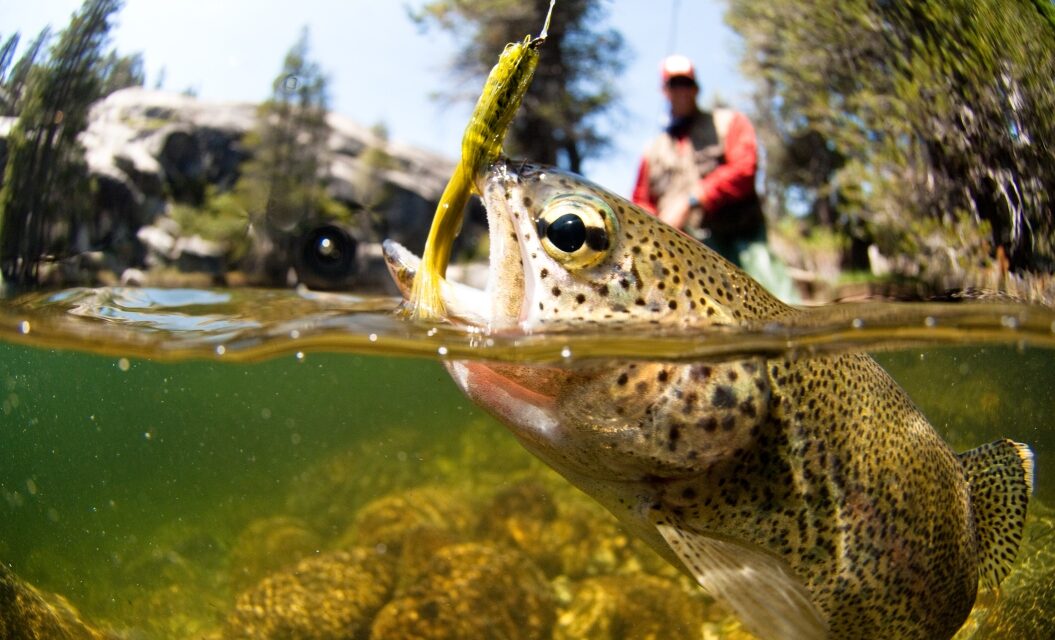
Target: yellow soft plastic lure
481,145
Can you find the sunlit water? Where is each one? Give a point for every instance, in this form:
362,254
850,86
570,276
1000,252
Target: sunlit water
162,452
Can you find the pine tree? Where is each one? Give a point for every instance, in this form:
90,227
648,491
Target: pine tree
293,138
12,84
7,54
282,186
46,184
120,72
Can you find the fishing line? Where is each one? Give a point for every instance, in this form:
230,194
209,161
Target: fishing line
672,38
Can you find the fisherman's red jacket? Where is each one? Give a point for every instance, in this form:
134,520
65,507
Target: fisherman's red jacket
719,152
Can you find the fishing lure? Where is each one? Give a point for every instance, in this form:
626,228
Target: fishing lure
481,145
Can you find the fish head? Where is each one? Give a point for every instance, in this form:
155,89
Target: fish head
565,254
568,254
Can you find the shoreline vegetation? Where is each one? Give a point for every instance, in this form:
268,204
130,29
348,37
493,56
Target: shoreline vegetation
106,182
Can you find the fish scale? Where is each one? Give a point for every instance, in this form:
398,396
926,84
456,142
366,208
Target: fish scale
808,495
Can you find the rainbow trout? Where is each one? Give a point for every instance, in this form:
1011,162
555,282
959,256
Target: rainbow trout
809,496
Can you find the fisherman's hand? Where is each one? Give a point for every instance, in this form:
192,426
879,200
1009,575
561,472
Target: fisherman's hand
676,213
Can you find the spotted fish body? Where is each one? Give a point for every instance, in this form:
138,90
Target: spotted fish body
808,495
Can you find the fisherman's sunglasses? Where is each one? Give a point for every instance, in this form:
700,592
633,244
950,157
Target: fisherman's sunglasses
681,82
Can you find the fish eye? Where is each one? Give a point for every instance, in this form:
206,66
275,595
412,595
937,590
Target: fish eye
576,229
567,232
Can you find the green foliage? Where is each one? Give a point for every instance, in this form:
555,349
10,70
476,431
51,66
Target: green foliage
574,88
114,71
923,125
223,219
46,183
120,72
370,184
281,185
376,157
281,192
7,55
813,238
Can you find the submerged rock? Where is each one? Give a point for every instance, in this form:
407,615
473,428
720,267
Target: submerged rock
413,526
525,498
328,494
471,591
386,521
634,607
269,544
176,610
418,548
483,454
168,584
30,614
330,597
564,533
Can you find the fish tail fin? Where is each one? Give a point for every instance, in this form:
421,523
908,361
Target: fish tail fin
1000,480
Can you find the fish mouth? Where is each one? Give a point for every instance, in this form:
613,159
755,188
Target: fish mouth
501,304
462,302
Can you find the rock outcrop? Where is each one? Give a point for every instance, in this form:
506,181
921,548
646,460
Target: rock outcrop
149,149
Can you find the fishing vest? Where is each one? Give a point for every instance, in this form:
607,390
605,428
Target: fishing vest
673,174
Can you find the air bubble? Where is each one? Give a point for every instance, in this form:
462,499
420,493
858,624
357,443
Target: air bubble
442,351
372,337
220,350
930,322
857,323
565,352
294,334
23,327
123,364
300,356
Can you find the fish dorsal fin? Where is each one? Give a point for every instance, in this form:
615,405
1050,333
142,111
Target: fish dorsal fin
1000,477
759,588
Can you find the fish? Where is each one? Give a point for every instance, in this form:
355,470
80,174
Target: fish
808,495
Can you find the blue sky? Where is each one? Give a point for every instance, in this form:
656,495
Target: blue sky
383,69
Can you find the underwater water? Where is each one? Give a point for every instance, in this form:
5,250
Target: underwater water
269,464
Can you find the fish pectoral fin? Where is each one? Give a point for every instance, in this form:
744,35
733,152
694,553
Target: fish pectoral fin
759,588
